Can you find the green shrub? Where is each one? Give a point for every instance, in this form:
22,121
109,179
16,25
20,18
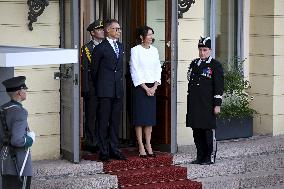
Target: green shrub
236,101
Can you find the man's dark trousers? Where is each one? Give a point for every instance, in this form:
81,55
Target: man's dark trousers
205,143
91,105
109,120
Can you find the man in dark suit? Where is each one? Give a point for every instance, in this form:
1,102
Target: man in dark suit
96,30
15,137
108,81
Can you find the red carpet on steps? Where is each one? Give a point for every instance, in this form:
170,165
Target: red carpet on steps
147,173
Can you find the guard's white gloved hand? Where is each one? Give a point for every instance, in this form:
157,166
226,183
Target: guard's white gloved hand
32,135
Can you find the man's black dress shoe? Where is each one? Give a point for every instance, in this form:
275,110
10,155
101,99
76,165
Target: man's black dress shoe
206,163
104,158
118,156
197,161
91,148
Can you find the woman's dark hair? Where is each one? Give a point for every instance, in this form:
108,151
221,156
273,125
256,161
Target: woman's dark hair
143,31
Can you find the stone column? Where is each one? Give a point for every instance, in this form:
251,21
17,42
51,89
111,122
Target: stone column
266,65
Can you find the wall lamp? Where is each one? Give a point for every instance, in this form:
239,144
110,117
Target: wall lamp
36,8
183,6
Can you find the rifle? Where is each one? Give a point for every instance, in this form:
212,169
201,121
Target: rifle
6,142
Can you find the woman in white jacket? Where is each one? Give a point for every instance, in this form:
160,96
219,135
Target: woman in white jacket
145,68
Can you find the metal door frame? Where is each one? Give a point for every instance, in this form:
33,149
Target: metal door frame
75,34
174,67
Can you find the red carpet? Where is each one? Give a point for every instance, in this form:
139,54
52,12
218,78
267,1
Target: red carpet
148,173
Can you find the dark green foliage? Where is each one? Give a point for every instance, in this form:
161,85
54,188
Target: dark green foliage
236,101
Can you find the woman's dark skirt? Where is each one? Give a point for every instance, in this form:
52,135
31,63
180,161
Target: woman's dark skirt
144,107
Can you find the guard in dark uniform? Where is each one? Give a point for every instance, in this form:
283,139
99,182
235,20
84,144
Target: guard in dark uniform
15,137
96,30
205,89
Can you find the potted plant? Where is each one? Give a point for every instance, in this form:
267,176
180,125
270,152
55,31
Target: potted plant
236,117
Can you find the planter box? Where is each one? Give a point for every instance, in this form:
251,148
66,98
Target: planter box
234,128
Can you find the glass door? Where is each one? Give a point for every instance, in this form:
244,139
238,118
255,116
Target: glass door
69,83
160,21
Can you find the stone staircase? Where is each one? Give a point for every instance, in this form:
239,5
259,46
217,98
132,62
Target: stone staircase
61,174
148,173
257,162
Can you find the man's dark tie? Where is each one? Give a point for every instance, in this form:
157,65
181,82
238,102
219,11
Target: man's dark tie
116,48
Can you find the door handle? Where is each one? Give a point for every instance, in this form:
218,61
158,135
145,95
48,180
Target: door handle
76,80
168,43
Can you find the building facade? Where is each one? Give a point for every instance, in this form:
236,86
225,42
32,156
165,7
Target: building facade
252,29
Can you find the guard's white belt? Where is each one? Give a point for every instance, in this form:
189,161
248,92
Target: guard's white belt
218,96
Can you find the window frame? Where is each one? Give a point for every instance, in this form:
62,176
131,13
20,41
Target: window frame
240,28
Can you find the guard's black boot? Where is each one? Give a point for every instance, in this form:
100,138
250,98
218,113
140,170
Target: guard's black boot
208,161
197,161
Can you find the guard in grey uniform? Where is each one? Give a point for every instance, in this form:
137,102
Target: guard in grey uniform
15,137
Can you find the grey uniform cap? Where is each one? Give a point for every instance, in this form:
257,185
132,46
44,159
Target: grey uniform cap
15,83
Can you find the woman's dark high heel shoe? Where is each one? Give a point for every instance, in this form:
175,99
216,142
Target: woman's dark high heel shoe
142,156
150,155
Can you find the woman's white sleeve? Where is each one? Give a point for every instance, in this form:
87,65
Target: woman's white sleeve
158,68
135,68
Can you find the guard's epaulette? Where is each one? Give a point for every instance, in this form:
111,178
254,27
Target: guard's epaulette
193,61
88,54
196,60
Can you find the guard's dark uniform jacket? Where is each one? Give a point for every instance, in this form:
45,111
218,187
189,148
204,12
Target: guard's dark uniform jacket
205,90
16,118
90,99
86,58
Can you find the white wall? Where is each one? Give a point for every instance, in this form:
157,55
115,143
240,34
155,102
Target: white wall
43,94
190,28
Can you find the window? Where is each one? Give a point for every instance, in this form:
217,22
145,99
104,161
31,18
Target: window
226,22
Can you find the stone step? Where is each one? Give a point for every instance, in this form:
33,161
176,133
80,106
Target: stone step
180,184
48,168
253,146
238,165
150,175
134,162
280,186
98,181
265,179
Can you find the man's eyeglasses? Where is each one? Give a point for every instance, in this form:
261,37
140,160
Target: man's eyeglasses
117,29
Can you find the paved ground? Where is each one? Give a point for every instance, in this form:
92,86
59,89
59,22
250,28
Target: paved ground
256,162
255,146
